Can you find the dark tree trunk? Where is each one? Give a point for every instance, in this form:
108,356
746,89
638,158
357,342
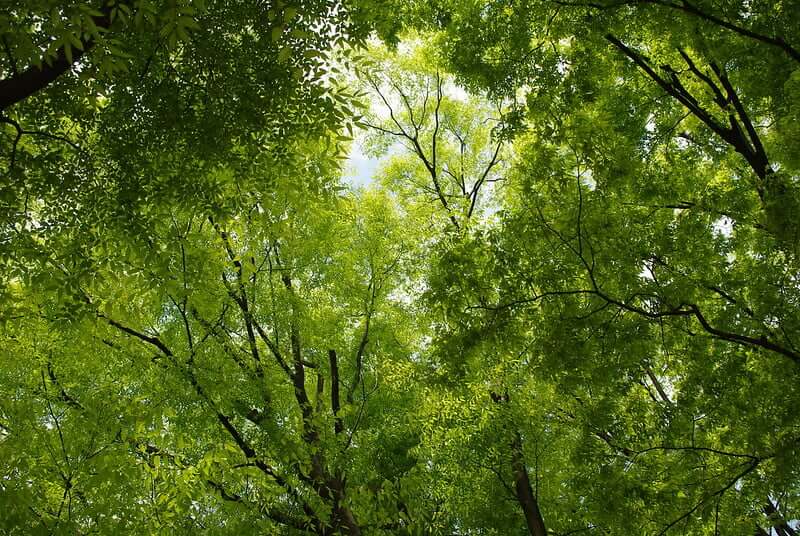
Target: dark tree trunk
522,486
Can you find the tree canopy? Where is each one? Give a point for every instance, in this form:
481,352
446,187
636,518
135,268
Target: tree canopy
566,302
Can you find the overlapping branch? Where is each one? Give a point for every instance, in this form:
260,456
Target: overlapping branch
691,9
739,134
411,132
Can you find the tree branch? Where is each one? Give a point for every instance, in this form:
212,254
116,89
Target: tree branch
687,7
34,79
338,426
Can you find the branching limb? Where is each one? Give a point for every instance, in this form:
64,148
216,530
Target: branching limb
338,426
413,136
749,467
747,144
473,195
362,345
63,395
273,514
240,296
691,9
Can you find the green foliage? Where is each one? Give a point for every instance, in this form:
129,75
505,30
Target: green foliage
567,302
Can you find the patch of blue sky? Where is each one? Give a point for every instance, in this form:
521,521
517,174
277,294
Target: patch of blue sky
360,169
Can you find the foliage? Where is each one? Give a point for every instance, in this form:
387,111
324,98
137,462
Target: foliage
567,303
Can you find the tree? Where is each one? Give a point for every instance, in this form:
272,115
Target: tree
146,109
452,156
566,304
643,248
240,357
453,153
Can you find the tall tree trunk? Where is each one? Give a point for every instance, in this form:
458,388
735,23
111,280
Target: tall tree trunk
522,486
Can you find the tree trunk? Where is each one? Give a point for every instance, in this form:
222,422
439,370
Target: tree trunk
522,487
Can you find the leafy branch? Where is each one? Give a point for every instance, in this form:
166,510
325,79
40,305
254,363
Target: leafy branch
689,8
744,141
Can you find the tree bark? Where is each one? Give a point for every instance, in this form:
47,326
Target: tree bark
522,486
34,79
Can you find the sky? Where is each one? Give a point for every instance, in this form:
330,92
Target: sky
359,168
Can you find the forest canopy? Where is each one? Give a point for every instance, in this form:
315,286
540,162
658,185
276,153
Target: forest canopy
567,301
